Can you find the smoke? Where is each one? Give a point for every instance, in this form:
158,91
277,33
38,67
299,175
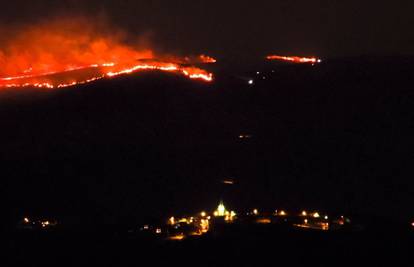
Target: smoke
62,44
64,52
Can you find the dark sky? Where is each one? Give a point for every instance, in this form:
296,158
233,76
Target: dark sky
317,27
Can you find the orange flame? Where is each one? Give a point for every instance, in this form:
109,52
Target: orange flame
207,59
295,59
68,52
96,72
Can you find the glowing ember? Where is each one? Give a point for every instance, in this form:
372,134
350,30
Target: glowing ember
207,59
294,59
69,52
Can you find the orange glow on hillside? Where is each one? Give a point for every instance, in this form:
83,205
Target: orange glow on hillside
295,59
68,52
91,73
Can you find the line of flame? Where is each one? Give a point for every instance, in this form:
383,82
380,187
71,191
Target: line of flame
295,59
208,77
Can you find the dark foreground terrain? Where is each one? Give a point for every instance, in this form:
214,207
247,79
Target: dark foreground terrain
336,137
253,246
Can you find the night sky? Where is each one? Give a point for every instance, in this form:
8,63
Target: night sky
232,28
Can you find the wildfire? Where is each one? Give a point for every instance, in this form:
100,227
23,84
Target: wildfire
295,59
70,52
207,59
97,72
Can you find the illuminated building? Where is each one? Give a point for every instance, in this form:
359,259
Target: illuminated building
230,216
181,228
171,221
221,210
204,224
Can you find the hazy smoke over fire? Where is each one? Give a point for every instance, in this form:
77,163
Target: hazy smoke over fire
65,44
53,53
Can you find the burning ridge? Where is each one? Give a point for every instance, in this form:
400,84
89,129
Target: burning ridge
86,74
67,52
295,59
